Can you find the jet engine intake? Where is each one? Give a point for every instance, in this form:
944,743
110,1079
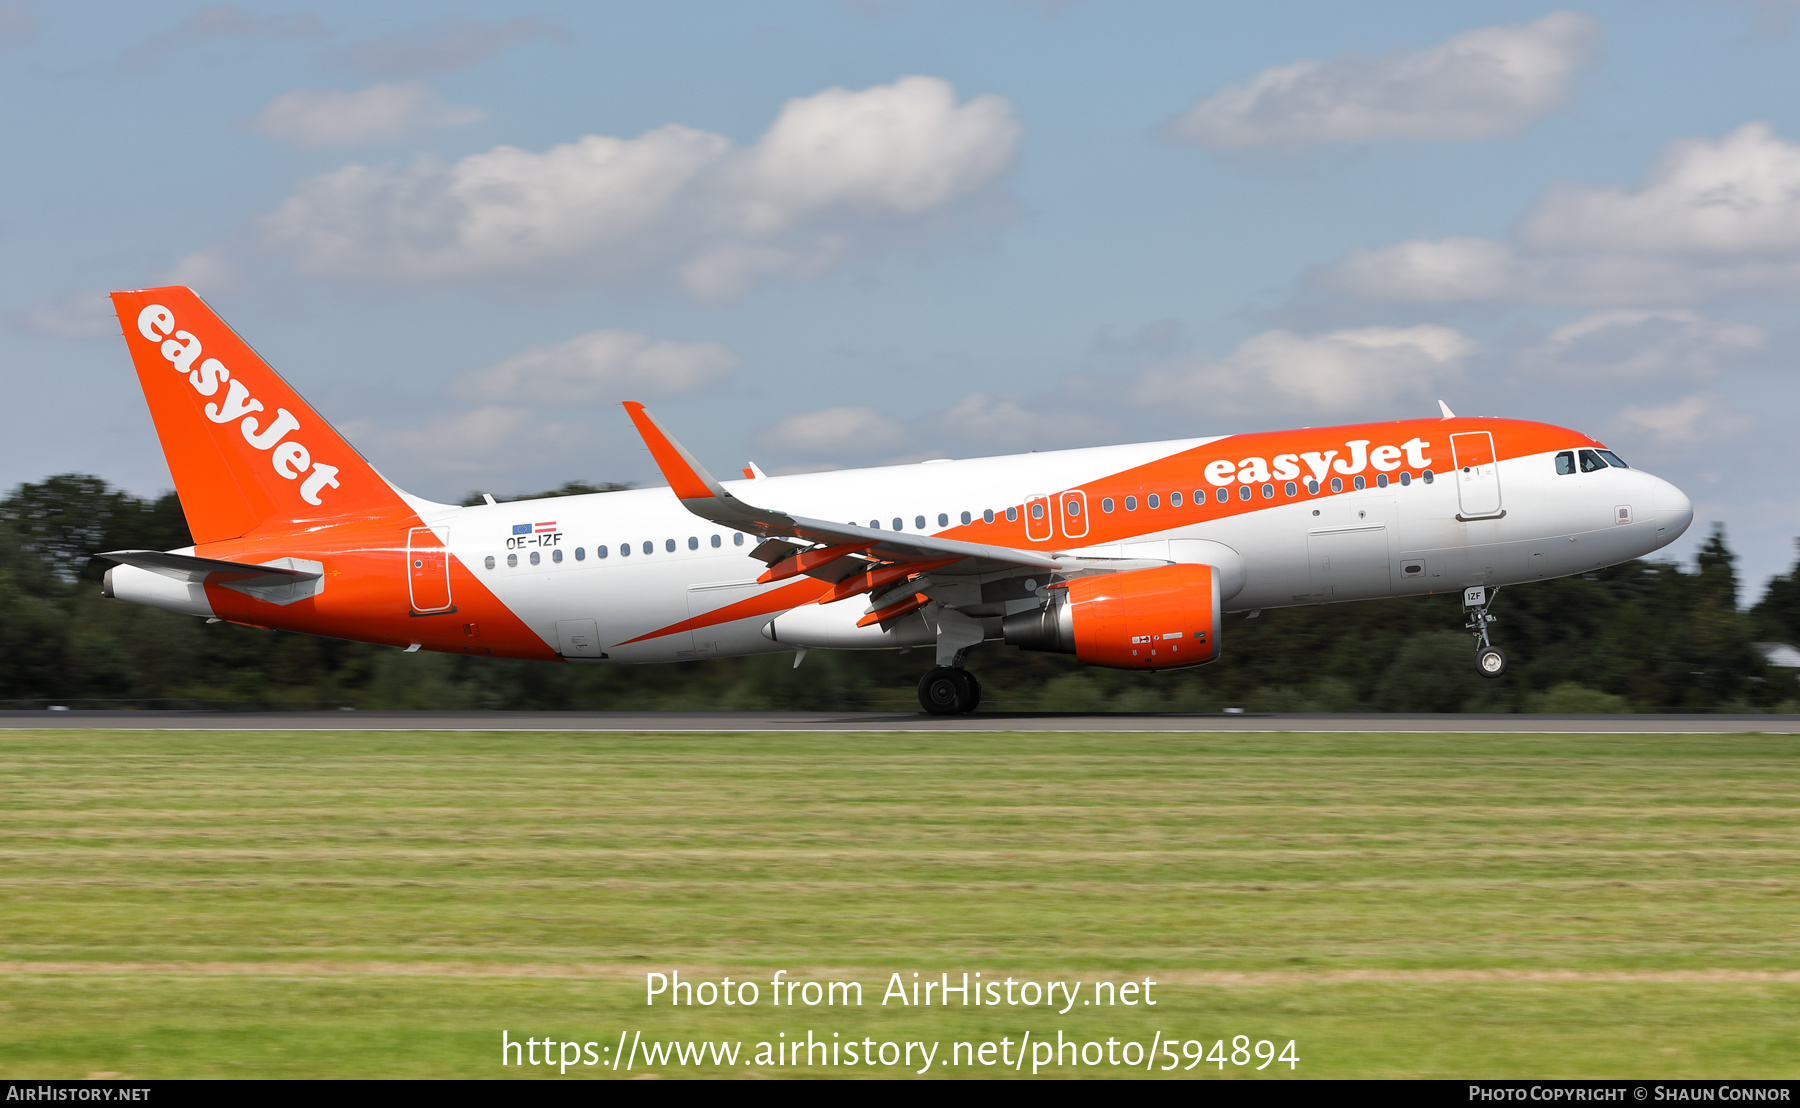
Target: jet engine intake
1167,617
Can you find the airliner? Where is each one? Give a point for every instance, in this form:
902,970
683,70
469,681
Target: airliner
1123,556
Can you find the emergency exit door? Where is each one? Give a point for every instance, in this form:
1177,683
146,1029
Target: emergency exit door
427,572
1477,475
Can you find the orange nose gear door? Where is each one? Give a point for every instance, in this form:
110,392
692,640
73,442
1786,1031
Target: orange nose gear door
427,572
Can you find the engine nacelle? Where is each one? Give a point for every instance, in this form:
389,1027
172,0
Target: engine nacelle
1162,618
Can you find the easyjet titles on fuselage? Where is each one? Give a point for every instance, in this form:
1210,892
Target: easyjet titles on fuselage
1320,463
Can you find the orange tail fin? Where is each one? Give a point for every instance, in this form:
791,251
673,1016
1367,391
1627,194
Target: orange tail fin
244,449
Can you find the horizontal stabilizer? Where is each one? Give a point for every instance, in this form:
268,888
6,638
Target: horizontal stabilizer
186,567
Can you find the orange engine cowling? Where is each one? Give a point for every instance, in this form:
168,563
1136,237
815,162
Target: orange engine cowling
1162,618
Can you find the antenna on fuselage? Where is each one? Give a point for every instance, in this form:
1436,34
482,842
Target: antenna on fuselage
1445,408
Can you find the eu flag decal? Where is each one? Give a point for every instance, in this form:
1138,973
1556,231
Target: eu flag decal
521,528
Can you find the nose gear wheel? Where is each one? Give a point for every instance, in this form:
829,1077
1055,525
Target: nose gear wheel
1490,660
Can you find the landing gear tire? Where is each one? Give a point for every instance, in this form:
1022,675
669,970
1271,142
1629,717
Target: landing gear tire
1490,661
946,691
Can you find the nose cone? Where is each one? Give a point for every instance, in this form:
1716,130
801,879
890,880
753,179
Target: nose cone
1674,511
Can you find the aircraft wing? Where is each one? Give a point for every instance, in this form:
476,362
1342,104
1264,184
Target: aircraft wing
709,500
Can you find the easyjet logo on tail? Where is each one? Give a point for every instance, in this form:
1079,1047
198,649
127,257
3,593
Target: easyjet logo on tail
289,457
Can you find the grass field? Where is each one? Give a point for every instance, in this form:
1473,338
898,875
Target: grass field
380,904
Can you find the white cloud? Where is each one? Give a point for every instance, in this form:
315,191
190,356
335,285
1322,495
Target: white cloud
379,113
674,204
1692,419
1739,195
1475,85
599,366
445,45
1340,371
465,442
1635,345
1710,219
1426,271
1002,422
79,315
851,431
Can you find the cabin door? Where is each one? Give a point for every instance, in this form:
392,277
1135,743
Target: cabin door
427,571
1477,475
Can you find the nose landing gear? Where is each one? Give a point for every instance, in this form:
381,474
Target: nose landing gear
949,691
1490,660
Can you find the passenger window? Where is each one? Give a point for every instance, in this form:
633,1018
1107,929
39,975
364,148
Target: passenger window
581,554
1337,484
1590,462
490,561
1153,500
1612,459
1037,511
600,551
1131,503
1268,492
919,522
1359,481
1429,476
1174,500
669,545
1381,481
944,519
987,515
534,558
967,519
1565,463
1012,515
649,547
899,524
512,560
1243,492
1405,477
624,550
1289,488
1106,505
1224,495
874,525
1072,509
693,542
556,556
717,542
1312,487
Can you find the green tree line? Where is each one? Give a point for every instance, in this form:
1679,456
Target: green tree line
1642,636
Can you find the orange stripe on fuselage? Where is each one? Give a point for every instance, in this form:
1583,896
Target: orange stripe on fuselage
1185,473
777,600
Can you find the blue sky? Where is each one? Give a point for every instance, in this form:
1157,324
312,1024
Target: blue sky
822,234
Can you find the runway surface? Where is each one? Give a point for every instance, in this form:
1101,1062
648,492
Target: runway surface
753,722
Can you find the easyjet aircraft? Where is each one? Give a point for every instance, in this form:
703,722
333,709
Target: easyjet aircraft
1124,556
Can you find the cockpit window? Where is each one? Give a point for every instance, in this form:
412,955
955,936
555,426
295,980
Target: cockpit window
1612,459
1591,461
1565,463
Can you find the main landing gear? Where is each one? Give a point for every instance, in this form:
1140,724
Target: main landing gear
949,691
1490,660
